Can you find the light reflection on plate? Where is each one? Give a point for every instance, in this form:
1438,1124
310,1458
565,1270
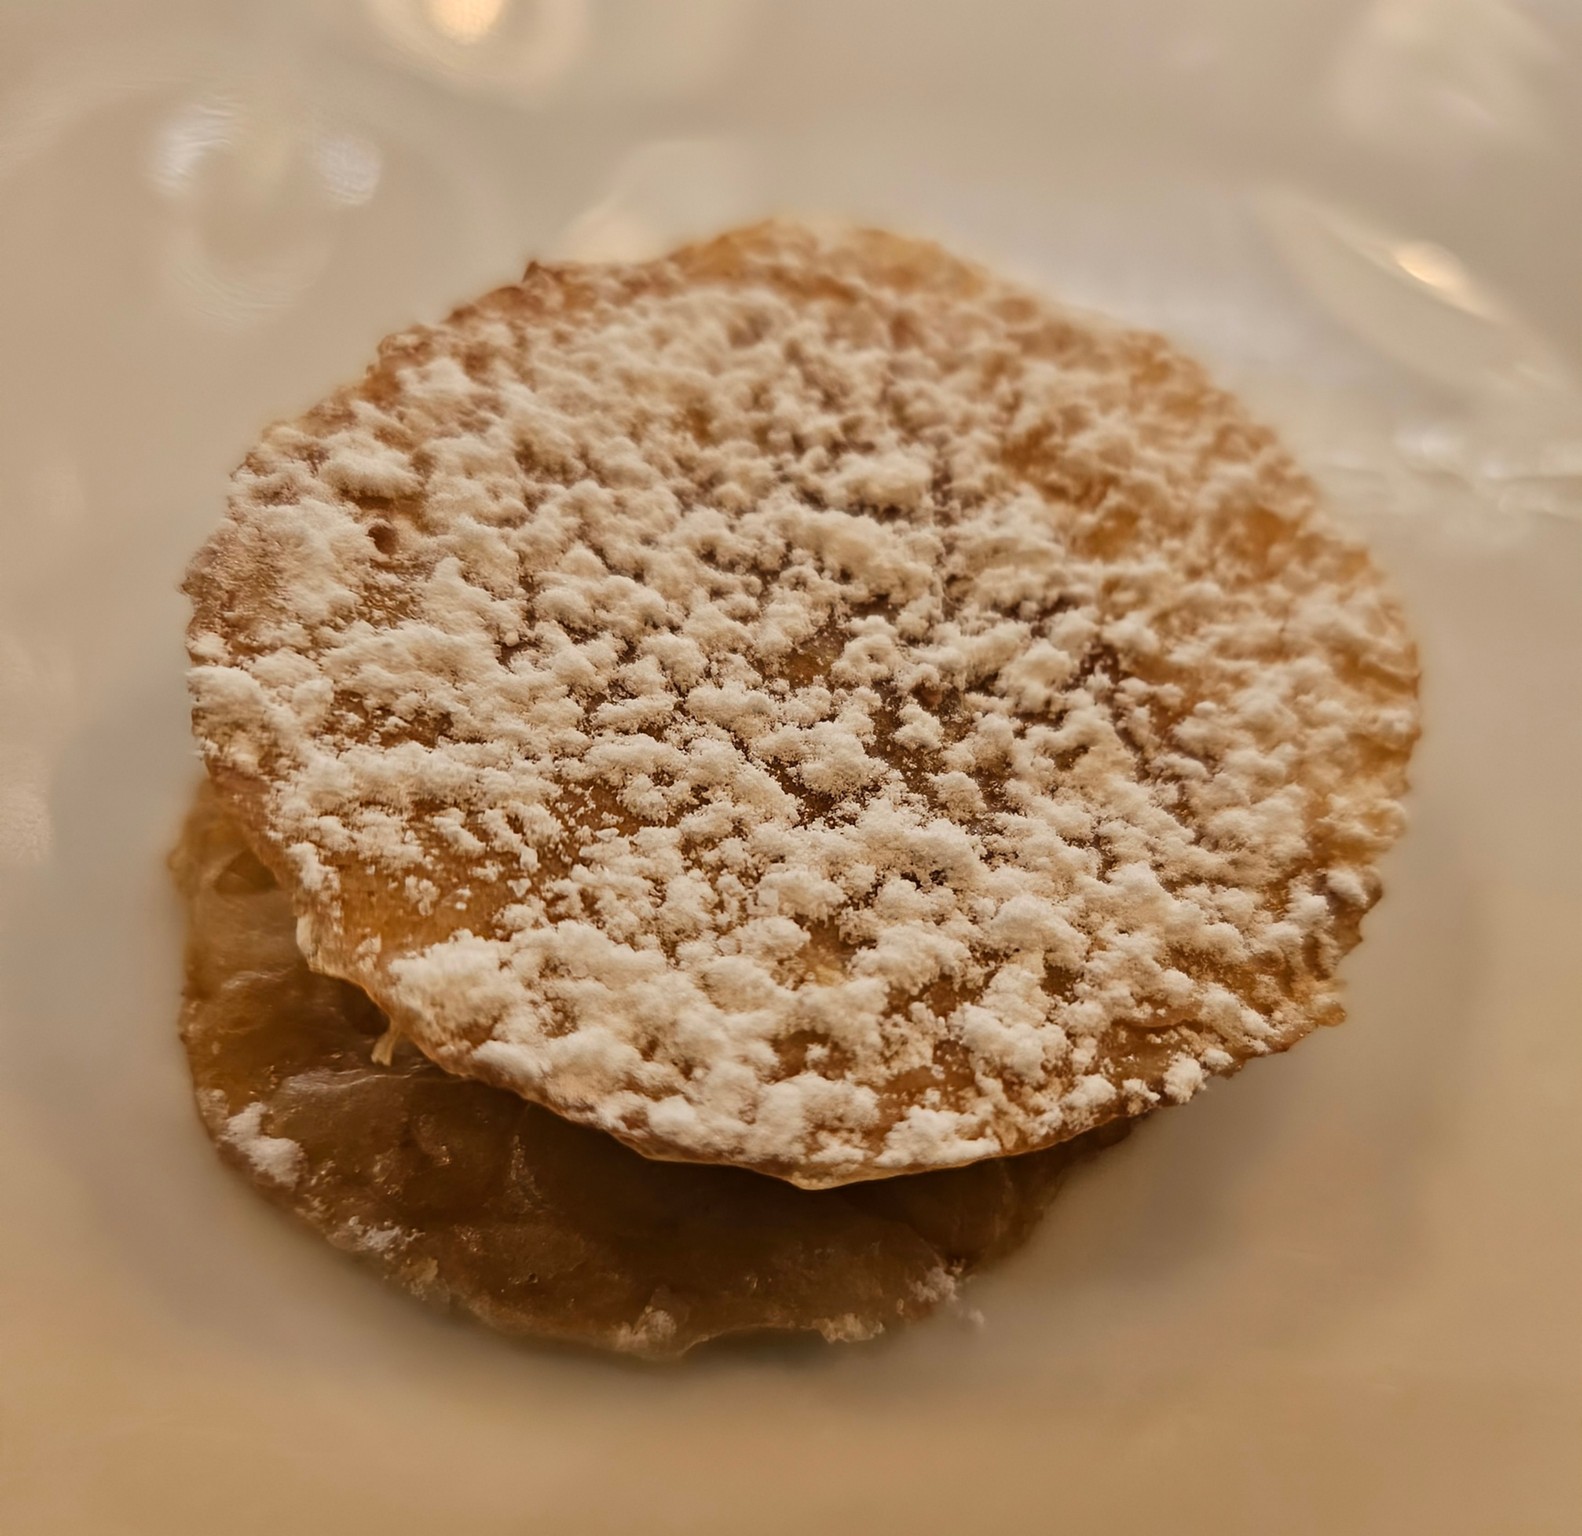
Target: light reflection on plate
1412,299
532,50
523,46
254,183
1431,77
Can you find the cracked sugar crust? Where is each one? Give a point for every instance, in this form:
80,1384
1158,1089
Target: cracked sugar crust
469,1197
806,703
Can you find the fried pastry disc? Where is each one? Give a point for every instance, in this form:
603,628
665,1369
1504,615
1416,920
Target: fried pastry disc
469,1196
806,703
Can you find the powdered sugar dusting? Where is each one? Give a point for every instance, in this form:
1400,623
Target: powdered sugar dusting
805,703
276,1159
649,1334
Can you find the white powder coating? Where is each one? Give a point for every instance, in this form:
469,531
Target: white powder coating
275,1159
806,703
653,1329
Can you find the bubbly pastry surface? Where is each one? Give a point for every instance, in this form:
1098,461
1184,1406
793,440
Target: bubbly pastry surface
806,703
468,1196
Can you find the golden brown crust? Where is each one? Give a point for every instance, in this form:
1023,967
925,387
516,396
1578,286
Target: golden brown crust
989,647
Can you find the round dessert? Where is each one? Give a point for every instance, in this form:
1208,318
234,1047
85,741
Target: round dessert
806,703
468,1196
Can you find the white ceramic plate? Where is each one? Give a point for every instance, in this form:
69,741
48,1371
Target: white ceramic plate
1335,1296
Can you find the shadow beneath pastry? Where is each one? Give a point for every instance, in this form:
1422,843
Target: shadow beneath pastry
1291,1166
461,1193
